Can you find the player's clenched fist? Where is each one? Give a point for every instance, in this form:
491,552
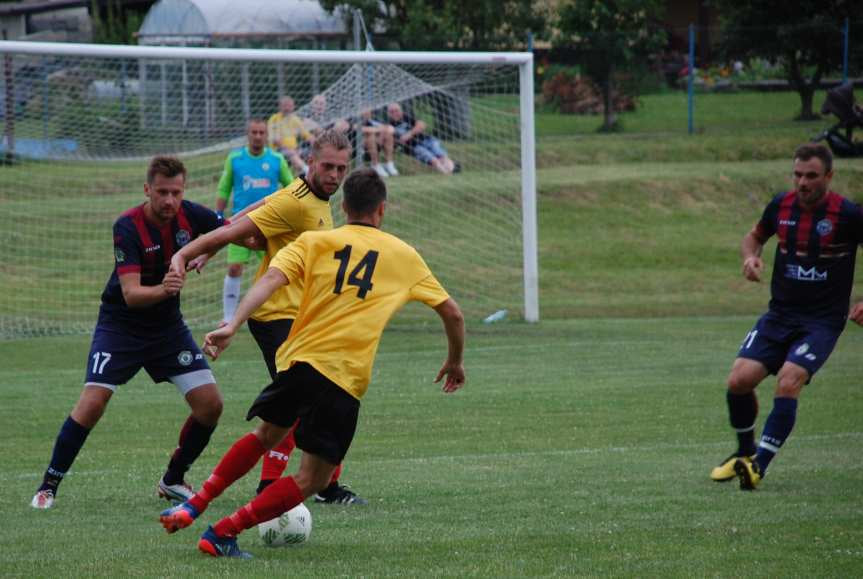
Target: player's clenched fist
172,282
856,314
752,268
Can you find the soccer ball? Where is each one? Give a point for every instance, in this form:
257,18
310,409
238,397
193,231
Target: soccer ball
291,528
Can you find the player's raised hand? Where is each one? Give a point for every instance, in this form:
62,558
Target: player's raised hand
856,314
173,283
753,266
218,340
454,377
198,263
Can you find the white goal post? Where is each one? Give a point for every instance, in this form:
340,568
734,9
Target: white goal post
80,122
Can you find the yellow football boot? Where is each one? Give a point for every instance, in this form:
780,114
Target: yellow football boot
748,472
725,471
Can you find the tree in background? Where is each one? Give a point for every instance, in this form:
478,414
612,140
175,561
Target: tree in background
114,23
610,37
451,24
804,36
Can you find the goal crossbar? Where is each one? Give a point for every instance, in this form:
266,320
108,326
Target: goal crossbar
264,54
154,57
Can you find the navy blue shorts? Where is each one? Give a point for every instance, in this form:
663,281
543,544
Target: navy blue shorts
117,355
327,413
775,340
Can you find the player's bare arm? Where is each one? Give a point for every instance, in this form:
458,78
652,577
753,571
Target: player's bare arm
234,232
750,250
856,314
141,296
218,340
254,242
453,367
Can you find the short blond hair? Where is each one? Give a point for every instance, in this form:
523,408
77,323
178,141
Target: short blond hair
331,138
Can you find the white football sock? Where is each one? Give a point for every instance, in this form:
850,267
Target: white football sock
231,296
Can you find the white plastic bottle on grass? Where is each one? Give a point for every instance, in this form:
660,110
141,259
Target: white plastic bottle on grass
495,317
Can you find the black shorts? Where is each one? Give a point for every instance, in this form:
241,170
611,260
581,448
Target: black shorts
269,337
327,413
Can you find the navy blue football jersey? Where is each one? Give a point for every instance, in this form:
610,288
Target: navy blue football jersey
141,246
813,271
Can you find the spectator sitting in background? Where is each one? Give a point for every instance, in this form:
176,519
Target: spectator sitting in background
287,131
377,136
317,121
411,137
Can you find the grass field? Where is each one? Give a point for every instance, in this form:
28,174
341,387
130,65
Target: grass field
668,113
577,448
581,446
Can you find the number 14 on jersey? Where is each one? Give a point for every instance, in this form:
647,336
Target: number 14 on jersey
360,276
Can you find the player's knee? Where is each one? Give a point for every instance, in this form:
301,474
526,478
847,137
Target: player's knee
790,382
269,434
235,269
740,382
209,410
213,410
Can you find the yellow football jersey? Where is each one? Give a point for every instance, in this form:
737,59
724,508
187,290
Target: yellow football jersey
287,213
354,279
286,130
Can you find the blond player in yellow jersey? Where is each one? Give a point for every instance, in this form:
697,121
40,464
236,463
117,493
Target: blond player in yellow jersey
354,279
301,206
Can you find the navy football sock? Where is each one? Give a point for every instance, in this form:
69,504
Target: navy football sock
69,441
194,437
742,409
778,427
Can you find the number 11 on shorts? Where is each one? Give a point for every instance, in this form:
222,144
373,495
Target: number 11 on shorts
750,337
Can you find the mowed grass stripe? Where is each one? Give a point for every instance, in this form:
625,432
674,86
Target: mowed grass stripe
578,447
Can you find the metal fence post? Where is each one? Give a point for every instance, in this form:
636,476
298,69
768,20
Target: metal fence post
9,84
845,44
690,85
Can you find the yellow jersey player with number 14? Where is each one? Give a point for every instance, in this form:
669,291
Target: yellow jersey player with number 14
279,219
353,280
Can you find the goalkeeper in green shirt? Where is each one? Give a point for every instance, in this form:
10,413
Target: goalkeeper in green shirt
251,173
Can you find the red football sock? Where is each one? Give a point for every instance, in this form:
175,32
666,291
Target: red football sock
280,497
276,460
335,478
239,460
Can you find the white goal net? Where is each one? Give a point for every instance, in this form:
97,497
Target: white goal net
80,123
